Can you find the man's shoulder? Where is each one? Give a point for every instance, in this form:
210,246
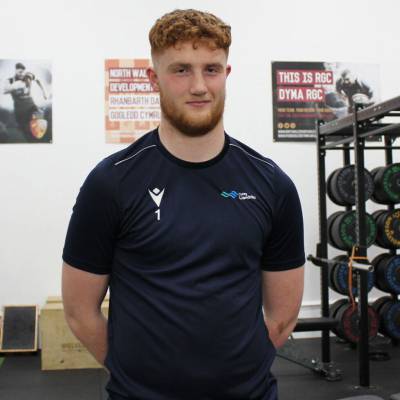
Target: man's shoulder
253,156
132,152
271,169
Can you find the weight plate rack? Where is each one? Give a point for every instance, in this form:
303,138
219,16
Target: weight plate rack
351,135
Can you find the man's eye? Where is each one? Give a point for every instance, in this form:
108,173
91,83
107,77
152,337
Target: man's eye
181,70
212,70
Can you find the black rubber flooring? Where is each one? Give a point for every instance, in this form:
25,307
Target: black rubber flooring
22,379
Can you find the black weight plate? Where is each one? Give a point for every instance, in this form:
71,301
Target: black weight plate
377,304
388,224
332,271
333,308
329,225
349,320
390,319
388,274
343,185
341,277
329,188
378,263
387,184
344,230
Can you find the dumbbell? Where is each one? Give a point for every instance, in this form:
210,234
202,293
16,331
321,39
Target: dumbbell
339,274
388,228
386,184
348,321
388,311
387,272
342,229
341,185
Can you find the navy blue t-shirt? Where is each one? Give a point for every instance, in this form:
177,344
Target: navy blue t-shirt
185,245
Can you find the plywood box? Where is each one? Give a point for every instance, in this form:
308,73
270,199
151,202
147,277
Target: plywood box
60,348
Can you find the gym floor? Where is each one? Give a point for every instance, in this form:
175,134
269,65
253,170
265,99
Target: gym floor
22,379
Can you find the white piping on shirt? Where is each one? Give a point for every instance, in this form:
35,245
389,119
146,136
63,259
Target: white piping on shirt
259,159
126,159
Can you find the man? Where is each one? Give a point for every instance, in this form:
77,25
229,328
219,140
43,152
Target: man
193,232
28,116
348,85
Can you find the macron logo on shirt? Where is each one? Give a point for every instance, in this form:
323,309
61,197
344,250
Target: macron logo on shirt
157,195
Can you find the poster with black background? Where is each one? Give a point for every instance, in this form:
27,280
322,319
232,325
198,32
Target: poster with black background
304,92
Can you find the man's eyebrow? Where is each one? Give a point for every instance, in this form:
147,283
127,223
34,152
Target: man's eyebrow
179,64
188,66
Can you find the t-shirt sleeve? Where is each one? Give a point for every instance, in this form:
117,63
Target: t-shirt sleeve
284,247
93,227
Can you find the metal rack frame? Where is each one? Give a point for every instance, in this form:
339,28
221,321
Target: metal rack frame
338,135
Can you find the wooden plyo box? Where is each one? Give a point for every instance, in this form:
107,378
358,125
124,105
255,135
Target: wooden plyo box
60,348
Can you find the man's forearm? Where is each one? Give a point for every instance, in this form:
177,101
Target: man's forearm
279,331
92,333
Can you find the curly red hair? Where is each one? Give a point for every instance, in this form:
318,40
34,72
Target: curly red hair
189,25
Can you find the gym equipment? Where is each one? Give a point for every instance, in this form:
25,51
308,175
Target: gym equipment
387,272
341,185
388,228
290,352
19,331
386,184
388,311
341,227
348,321
338,277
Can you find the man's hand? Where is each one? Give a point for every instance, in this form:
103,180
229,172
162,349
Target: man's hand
282,294
83,293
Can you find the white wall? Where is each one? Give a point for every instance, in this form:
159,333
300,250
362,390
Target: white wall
39,183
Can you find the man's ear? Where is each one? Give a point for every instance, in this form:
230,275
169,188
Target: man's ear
228,69
153,78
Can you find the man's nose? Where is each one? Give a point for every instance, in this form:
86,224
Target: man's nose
198,85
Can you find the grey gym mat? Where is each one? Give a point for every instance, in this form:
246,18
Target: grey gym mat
367,397
21,378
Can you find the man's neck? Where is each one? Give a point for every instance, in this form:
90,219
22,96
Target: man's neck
192,149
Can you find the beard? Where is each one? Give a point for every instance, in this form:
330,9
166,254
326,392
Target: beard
188,125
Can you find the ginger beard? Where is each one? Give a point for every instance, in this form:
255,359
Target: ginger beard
192,123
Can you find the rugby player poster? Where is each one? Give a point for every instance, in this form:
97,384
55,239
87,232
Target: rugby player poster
132,107
304,92
25,101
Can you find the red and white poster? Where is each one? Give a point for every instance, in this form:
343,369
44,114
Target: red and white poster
132,107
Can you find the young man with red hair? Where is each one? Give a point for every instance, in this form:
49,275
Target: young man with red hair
194,233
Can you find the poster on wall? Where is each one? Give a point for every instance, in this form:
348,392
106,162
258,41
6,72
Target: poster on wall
304,92
132,107
25,101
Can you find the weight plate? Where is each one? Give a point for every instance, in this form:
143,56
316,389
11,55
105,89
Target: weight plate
329,188
343,230
387,184
333,308
390,319
377,304
341,279
388,225
343,185
348,325
387,274
330,221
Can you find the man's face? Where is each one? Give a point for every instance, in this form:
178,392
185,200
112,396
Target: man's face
191,83
19,73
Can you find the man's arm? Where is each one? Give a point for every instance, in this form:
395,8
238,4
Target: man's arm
282,294
83,293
